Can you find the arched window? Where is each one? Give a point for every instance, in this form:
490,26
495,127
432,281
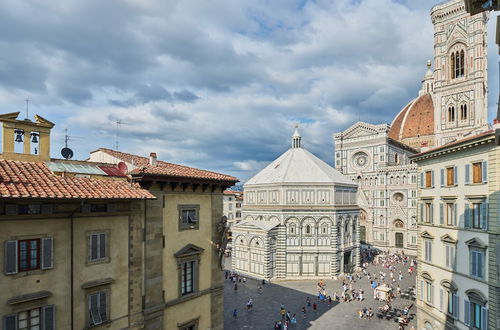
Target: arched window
308,229
451,114
238,214
463,112
462,63
396,159
292,229
452,61
324,228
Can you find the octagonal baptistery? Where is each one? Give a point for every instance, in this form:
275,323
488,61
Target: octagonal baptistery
300,220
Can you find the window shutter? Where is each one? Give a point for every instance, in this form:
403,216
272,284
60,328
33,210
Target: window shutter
447,255
485,171
432,178
442,177
11,209
102,245
432,213
455,306
10,322
422,180
466,216
441,213
102,306
467,173
432,294
421,209
484,216
47,253
421,290
93,246
454,214
441,299
48,317
484,318
10,257
455,175
480,262
466,312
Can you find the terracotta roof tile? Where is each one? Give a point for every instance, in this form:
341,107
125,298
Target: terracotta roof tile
166,169
416,119
34,180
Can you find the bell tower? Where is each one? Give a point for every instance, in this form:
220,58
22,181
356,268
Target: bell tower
25,140
460,71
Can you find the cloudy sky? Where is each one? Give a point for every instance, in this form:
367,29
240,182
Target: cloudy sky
215,84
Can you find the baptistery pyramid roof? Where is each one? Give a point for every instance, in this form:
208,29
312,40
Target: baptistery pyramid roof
298,165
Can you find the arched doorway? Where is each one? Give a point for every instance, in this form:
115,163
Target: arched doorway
399,240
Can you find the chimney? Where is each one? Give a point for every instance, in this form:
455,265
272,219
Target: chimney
152,159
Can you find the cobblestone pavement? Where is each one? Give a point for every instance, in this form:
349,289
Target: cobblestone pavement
293,295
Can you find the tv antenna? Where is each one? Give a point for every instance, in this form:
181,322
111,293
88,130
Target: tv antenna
66,152
119,124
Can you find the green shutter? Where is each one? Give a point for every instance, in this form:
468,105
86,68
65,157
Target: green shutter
467,173
466,216
441,213
485,171
442,177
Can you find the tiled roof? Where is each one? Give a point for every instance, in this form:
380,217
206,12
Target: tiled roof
416,119
34,180
167,169
112,171
456,142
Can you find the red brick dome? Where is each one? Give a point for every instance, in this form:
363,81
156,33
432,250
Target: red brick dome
415,120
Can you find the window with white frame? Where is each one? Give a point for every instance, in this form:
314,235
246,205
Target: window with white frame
98,307
98,249
33,318
428,250
477,263
475,311
450,256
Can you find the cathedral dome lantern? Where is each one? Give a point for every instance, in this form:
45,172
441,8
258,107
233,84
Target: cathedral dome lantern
296,138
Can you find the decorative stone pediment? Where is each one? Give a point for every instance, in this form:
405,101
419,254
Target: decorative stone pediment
477,243
448,239
188,251
361,129
427,235
449,284
476,296
427,277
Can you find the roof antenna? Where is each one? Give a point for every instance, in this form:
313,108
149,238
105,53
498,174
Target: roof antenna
119,124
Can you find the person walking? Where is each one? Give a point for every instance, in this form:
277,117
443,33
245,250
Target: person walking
304,312
235,287
235,313
308,301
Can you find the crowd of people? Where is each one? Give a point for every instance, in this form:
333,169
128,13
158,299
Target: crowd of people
389,278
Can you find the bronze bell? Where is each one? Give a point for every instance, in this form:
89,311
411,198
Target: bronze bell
34,137
19,135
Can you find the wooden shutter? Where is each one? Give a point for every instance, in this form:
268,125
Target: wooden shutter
422,180
102,245
466,216
102,306
48,317
432,179
441,299
466,312
441,213
484,318
93,246
455,306
467,173
10,257
47,253
455,214
485,171
10,322
484,216
442,177
431,211
11,209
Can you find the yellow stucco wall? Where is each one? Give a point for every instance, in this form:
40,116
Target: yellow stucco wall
58,279
187,311
176,240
